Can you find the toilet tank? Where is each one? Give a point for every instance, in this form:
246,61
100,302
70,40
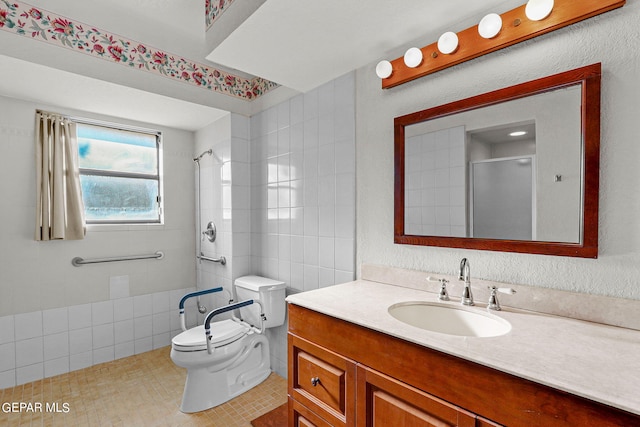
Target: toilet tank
271,293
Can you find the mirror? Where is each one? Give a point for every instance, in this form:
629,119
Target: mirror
514,170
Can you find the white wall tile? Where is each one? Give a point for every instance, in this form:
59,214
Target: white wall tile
7,356
27,374
161,302
161,323
344,276
326,277
28,325
7,379
142,327
123,309
102,355
326,220
344,254
7,333
56,367
55,320
311,250
123,331
142,305
310,277
125,349
29,352
345,221
79,316
80,360
161,340
80,341
143,345
56,346
326,252
103,336
102,312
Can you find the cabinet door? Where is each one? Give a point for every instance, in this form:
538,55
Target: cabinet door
383,401
322,381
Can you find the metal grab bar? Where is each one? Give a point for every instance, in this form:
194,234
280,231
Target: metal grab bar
207,321
222,260
78,261
191,295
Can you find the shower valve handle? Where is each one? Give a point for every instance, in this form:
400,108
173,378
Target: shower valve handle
210,232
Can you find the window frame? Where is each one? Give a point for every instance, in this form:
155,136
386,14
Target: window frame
130,175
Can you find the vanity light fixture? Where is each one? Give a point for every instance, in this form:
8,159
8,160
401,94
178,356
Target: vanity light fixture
494,32
537,10
448,43
490,26
413,57
518,133
384,69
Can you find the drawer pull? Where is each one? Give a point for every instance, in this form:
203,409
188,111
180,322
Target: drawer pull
315,381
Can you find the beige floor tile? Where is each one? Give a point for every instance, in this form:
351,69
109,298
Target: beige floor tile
141,390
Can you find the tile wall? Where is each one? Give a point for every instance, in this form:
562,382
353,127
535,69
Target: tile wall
302,155
435,193
46,343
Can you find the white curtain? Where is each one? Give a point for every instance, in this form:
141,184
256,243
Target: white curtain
60,210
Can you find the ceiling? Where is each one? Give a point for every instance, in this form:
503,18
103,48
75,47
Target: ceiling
299,44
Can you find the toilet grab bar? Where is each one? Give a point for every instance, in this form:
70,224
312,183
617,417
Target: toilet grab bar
207,321
191,295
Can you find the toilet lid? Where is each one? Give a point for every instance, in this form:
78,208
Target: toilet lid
222,333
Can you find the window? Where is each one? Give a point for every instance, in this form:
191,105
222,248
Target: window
120,174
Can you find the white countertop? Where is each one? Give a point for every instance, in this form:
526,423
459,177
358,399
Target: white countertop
596,361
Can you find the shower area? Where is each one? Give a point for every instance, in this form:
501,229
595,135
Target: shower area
221,221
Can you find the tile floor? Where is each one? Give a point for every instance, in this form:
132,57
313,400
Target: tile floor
141,390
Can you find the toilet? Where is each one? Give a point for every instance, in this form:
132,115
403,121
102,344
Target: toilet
238,356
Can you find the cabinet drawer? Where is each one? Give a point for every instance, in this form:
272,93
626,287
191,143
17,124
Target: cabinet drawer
301,416
322,380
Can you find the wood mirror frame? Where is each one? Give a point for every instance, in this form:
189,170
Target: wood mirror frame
589,78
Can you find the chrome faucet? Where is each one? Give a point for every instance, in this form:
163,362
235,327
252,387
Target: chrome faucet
465,275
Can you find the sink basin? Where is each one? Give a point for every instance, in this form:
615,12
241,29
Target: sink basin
447,319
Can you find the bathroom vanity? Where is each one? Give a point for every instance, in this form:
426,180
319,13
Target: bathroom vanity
351,363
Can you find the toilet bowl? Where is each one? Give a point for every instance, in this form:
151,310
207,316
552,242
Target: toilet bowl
236,358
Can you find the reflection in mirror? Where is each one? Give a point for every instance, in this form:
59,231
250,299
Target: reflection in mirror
504,168
475,174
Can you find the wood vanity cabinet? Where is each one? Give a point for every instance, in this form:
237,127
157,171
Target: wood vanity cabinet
342,374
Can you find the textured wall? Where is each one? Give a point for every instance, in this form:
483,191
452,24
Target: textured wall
610,39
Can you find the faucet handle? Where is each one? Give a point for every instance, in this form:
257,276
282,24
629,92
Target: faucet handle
493,298
443,295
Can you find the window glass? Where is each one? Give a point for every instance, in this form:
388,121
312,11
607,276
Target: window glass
117,150
119,175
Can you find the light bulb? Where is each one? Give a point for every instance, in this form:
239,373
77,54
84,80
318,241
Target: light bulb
384,69
448,43
537,10
413,57
490,26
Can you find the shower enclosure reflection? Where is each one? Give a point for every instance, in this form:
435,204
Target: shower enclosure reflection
478,178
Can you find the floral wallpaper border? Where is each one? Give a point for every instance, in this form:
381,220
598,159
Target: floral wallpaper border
213,9
28,21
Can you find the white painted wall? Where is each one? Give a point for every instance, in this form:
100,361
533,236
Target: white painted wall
609,39
55,317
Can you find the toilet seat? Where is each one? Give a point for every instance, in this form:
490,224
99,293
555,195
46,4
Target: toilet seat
222,333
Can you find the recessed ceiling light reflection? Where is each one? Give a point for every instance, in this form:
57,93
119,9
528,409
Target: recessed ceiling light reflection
518,133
